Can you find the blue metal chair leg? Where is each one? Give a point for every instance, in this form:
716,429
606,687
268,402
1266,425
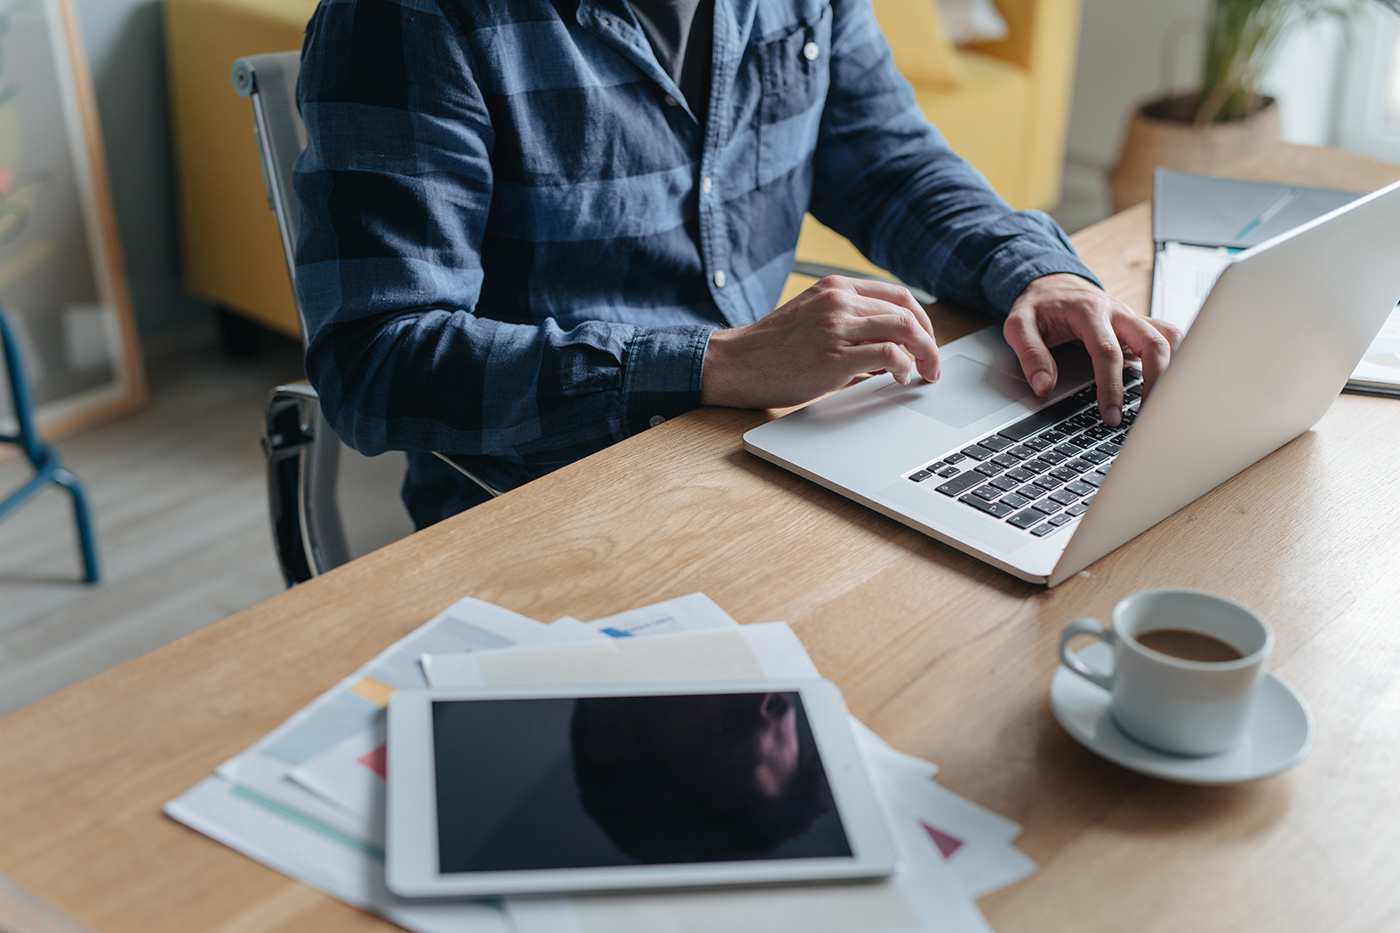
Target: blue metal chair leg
43,457
86,539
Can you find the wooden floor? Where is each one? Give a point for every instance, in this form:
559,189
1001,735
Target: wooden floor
180,504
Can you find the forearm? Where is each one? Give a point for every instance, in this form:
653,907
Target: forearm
888,181
454,382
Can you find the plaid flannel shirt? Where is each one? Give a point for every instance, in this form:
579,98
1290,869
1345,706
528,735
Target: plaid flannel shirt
516,237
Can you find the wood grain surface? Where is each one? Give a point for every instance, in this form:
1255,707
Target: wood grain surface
944,656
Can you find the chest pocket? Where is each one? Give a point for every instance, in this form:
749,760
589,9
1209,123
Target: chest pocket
795,76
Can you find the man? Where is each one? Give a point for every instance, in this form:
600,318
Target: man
531,228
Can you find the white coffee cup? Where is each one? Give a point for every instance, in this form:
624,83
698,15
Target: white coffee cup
1180,706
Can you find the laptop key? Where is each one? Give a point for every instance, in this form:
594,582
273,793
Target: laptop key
1022,452
1014,500
1043,530
1005,461
1020,475
987,469
1131,375
1080,489
1078,508
1064,497
961,484
1051,456
1036,443
954,458
987,492
1026,519
1030,492
995,442
947,471
1055,437
1069,449
1093,479
1060,519
919,476
1047,506
1036,466
1111,449
1079,466
1004,483
977,452
1047,483
1096,456
991,508
1064,474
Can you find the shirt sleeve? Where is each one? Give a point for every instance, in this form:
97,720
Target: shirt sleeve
888,182
395,188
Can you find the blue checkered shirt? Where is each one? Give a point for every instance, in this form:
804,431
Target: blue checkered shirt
516,238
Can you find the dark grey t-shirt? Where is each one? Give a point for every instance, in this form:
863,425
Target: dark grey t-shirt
681,33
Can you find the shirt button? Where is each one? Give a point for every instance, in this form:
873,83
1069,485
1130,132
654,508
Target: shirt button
810,51
705,185
655,420
720,278
671,101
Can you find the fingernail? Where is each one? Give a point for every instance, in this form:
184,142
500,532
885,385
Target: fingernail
1041,382
1113,417
905,378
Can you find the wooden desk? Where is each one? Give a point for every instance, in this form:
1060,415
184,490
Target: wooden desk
942,655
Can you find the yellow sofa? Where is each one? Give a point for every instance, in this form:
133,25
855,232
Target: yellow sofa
1007,116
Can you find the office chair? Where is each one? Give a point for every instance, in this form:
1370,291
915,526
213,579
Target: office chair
328,503
41,456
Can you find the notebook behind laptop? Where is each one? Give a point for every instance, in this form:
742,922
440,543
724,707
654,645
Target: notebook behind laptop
1280,332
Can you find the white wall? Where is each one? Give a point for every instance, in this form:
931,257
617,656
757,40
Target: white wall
126,47
1133,50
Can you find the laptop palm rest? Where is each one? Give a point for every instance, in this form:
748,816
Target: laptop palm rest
967,392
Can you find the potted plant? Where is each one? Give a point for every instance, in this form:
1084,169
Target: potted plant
1228,117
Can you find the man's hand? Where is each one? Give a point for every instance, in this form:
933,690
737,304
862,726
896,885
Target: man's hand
836,330
1059,308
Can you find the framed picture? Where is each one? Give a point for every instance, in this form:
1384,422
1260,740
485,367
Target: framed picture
62,282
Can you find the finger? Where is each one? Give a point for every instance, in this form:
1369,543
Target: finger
874,357
897,326
894,294
1168,330
1024,337
1148,343
1102,343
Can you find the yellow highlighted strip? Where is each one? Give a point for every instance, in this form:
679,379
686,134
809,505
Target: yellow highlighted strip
376,691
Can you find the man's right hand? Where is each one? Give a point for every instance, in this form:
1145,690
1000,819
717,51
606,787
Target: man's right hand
836,330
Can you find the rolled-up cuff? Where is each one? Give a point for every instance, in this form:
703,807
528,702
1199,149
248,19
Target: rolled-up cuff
662,375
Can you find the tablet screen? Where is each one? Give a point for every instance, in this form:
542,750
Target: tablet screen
607,781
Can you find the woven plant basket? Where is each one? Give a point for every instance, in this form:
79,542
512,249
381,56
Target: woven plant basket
1162,134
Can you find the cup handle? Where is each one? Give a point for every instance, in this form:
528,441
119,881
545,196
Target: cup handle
1094,629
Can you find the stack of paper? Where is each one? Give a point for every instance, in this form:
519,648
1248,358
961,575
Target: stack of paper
308,800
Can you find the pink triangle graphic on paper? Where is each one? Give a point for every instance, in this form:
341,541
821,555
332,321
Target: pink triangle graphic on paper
376,762
946,843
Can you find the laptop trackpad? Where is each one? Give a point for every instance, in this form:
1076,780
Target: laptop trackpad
966,392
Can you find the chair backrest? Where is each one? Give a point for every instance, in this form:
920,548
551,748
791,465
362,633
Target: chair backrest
312,476
270,82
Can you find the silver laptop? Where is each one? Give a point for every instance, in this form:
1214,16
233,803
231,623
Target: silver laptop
1041,488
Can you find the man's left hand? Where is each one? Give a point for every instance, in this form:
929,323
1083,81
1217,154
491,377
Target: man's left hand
1058,308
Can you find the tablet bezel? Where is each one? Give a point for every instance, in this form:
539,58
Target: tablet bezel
411,843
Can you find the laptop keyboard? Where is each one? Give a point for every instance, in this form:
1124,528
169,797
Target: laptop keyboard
1042,472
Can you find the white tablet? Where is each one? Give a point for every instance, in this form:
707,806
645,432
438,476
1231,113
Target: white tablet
541,789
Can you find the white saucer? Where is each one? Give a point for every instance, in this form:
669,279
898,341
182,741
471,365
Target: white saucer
1279,732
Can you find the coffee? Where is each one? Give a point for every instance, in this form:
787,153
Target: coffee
1188,646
